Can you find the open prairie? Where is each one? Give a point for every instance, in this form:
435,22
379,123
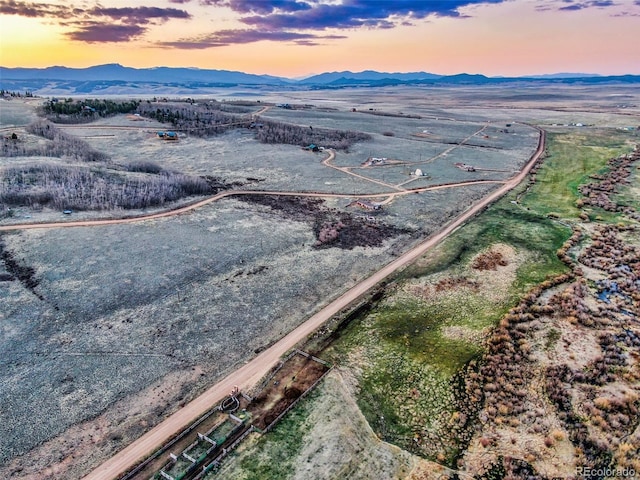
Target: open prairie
108,329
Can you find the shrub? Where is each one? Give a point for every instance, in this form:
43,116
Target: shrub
143,167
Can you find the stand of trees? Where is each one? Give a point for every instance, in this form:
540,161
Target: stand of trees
276,132
197,120
83,111
60,145
7,93
81,188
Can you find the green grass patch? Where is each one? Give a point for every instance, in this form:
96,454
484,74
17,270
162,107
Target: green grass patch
416,327
507,223
571,158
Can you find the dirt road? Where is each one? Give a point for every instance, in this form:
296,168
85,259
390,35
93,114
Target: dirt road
231,193
332,154
252,371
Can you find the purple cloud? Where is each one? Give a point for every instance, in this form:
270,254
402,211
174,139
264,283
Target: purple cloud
224,38
136,15
96,24
311,14
34,10
573,6
261,6
100,32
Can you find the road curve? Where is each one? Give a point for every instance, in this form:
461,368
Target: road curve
252,371
231,193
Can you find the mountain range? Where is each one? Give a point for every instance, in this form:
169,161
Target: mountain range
115,78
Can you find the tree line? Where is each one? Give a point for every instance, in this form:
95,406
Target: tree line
86,110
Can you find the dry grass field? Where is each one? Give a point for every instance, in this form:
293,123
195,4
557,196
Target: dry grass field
122,324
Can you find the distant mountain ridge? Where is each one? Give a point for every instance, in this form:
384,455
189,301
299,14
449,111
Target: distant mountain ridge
330,77
115,71
116,79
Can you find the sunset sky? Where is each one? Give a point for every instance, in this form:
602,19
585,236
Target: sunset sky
301,37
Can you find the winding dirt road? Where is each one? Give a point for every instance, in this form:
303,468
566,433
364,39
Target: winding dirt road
252,371
231,193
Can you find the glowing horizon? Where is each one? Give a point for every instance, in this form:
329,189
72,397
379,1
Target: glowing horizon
295,38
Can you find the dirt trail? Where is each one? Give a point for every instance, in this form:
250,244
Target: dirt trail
443,153
230,193
332,154
252,371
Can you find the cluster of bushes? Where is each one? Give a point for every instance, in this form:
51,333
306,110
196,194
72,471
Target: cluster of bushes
276,132
505,378
329,232
619,259
558,383
598,193
81,188
570,305
60,145
83,111
456,283
611,416
489,261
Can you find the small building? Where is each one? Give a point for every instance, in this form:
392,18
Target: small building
167,135
312,148
465,166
